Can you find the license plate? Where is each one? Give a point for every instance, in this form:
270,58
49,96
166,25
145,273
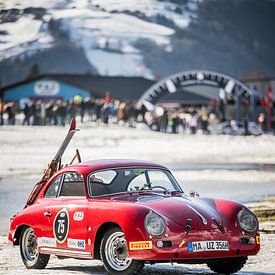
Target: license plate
208,246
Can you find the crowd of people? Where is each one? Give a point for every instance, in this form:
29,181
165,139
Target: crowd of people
106,110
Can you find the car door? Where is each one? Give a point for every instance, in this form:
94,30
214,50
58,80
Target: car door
41,219
67,215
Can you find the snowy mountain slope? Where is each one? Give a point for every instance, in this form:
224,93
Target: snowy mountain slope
148,38
105,30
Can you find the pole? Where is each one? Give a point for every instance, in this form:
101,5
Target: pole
253,96
238,106
269,107
1,111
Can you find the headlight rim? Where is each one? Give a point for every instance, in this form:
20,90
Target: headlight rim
147,217
253,215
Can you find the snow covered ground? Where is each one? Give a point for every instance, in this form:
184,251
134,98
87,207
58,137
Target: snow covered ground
27,149
11,264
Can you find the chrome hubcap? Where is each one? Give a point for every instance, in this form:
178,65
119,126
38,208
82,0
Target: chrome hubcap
29,246
116,252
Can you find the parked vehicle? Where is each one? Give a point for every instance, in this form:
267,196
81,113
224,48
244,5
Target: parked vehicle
127,213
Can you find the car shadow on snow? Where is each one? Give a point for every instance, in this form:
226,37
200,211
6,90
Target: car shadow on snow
151,270
85,269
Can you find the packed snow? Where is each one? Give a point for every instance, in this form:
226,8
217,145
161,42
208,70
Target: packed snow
117,63
116,55
10,263
25,32
152,8
11,4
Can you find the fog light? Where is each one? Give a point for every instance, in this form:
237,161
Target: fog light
164,244
159,244
248,240
251,240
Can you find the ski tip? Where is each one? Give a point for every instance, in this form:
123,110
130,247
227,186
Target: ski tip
73,124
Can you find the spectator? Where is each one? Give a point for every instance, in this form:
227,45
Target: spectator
26,112
107,110
261,120
164,122
193,124
175,124
11,114
204,120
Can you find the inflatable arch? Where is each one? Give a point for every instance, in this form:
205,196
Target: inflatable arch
228,86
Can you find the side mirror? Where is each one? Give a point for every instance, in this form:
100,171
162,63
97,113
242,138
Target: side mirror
194,194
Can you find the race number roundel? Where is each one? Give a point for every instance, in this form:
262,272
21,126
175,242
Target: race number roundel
61,226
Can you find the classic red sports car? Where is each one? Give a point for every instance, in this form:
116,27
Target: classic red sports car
128,213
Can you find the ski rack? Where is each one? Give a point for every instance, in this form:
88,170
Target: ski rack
77,155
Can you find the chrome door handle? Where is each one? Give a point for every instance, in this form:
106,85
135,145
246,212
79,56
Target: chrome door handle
47,214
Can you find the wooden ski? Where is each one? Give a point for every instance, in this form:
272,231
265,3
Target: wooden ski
54,165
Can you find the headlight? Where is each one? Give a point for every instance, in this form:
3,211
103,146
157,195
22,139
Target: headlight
247,221
154,224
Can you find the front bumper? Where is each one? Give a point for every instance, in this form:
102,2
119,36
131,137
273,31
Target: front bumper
179,247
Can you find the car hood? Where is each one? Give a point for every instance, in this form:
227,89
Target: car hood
180,208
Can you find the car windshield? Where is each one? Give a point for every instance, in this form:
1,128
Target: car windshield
122,180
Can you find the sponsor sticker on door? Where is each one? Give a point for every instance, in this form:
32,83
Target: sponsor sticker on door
48,242
61,225
76,243
78,216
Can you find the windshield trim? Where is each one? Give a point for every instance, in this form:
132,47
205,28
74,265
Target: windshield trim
130,167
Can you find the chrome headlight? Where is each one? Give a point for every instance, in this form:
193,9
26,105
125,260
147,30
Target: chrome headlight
154,224
247,221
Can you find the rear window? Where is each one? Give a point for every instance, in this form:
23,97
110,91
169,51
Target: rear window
53,188
73,185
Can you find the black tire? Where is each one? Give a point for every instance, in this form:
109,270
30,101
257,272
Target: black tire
31,258
116,260
228,266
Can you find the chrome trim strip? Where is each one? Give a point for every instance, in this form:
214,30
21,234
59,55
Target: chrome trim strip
203,219
70,253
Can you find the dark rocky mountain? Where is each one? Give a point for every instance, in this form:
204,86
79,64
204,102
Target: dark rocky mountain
229,36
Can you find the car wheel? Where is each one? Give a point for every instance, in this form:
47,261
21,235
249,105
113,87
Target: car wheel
228,266
114,254
29,250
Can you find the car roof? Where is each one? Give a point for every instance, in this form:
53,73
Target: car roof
101,164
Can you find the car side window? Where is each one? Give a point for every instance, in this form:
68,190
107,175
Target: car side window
53,188
73,185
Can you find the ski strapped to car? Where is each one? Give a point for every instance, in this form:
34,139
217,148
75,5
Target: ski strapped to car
54,165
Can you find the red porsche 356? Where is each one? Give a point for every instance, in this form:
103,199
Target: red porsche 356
128,213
